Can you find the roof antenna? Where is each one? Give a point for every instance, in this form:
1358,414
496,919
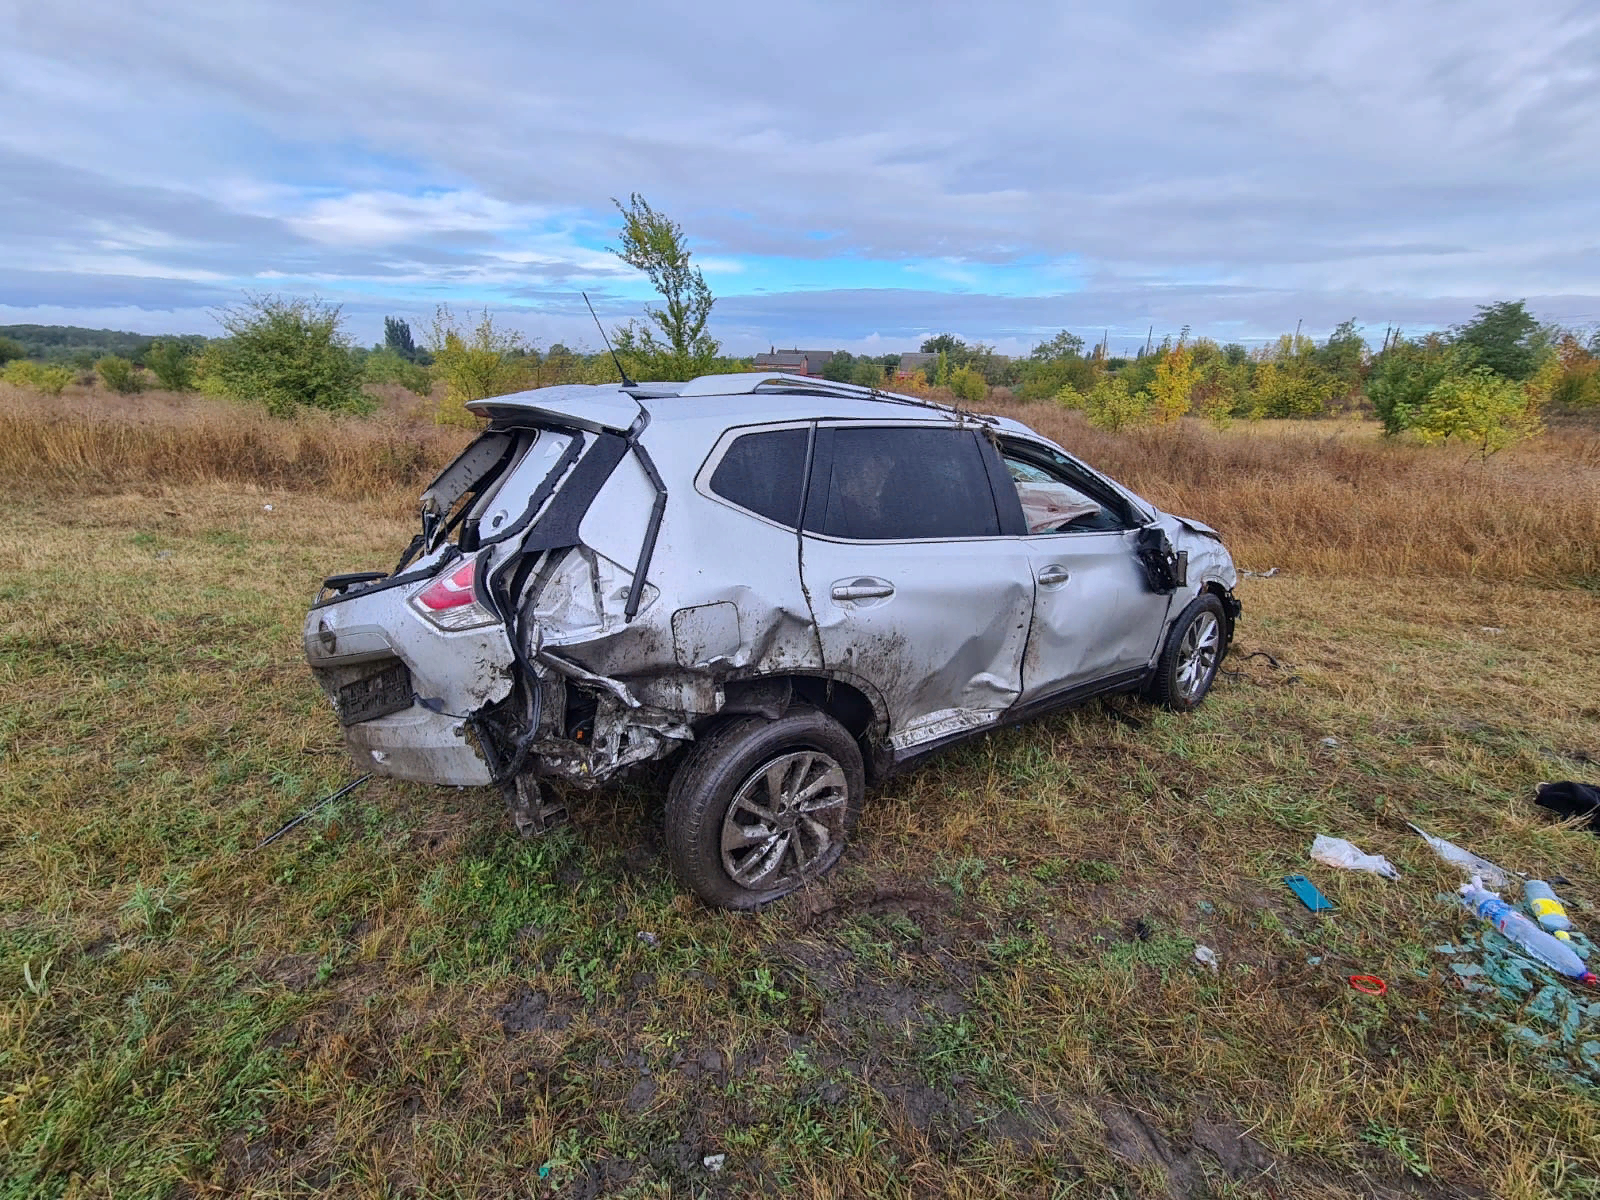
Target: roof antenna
626,382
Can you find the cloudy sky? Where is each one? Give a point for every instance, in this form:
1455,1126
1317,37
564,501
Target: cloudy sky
849,174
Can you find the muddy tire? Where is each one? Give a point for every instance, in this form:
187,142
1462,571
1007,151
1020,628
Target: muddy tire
1190,656
759,808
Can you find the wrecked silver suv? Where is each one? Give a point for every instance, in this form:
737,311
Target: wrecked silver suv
796,586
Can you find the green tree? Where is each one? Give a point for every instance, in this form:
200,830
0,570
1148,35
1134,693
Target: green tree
474,363
1404,374
397,339
947,344
10,348
1053,365
867,373
118,374
841,367
286,355
1343,357
172,363
1505,338
1480,408
654,244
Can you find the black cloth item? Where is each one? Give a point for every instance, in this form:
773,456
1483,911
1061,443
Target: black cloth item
1570,800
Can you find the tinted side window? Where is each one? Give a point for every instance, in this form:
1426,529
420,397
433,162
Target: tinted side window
765,472
908,483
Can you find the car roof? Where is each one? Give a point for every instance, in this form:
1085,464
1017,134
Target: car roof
748,397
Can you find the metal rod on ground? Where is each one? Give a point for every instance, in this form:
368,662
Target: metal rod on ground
323,803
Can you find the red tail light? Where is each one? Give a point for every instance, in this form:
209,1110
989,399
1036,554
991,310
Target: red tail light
451,602
450,591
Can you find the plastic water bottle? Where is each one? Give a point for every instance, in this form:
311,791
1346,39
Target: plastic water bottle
1546,906
1524,933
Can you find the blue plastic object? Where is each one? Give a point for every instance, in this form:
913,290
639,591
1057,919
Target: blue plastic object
1308,893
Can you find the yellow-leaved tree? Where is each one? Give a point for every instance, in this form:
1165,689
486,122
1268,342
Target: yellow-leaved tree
1175,379
474,363
1483,410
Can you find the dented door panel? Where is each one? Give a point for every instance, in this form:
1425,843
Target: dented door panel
1094,614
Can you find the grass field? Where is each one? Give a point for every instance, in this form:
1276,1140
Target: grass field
993,995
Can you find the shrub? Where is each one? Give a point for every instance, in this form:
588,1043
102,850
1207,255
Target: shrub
1113,406
969,386
11,349
474,363
49,381
866,373
286,355
120,375
389,366
172,363
1482,409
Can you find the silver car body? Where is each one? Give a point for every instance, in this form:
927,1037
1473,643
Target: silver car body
913,643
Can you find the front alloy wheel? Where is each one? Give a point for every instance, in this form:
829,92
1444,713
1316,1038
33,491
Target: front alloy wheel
1194,649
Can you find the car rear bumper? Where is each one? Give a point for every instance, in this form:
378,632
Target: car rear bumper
419,745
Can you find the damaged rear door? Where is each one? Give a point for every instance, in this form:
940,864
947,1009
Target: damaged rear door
917,596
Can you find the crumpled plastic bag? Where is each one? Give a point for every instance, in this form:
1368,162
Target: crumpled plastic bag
1336,852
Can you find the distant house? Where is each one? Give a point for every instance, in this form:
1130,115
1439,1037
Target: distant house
913,361
794,362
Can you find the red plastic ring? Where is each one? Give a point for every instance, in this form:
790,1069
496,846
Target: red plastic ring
1360,982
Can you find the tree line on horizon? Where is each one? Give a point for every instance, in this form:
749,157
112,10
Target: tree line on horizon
1485,382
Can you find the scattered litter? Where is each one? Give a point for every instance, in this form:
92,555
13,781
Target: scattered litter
1336,852
163,553
1524,933
266,508
713,1162
1330,742
1490,629
1313,960
1370,984
648,938
1464,859
1542,1014
1570,799
544,1171
1546,907
1206,957
1308,893
1268,574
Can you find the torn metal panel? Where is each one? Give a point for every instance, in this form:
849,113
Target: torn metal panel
930,625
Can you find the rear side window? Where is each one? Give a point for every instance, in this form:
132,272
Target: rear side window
896,483
765,472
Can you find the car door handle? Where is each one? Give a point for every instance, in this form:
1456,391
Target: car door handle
1053,576
864,588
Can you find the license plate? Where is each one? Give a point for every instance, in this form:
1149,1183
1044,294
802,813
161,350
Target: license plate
375,696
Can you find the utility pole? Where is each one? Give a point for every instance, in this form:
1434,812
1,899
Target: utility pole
1149,337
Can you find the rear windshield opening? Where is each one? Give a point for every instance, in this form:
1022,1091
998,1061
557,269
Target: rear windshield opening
495,485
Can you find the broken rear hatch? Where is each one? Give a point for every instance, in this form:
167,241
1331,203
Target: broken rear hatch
408,658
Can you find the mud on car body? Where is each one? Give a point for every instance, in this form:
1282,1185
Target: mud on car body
795,586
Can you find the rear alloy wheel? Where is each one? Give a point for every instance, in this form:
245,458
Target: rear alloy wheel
1192,653
759,808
